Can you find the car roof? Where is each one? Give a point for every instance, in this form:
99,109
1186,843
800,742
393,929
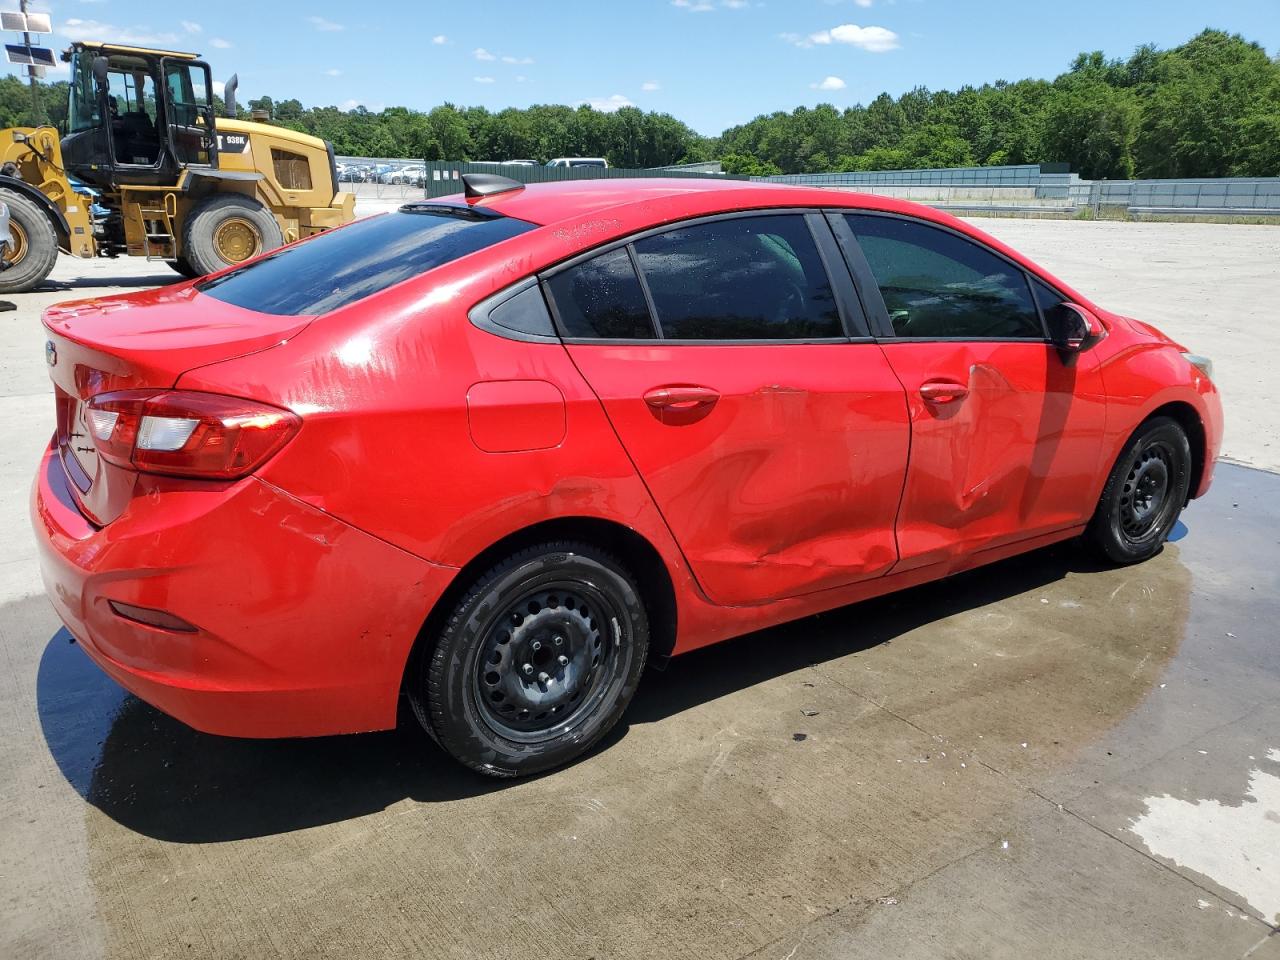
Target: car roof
566,200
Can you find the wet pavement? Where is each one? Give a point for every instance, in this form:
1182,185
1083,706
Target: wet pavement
1040,756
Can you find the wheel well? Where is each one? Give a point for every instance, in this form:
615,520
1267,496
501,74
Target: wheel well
639,555
1189,420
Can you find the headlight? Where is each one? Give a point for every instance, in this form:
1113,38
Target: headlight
1203,364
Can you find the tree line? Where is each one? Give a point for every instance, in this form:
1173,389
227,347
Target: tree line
1207,108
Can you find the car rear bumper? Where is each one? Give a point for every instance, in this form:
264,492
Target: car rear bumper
303,624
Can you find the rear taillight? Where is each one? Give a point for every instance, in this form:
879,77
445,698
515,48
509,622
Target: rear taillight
187,434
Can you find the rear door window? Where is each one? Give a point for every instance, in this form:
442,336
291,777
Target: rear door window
601,298
339,268
938,285
740,278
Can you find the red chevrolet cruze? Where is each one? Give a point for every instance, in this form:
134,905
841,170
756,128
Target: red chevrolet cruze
496,451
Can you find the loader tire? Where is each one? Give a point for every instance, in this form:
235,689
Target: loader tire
34,248
183,266
227,229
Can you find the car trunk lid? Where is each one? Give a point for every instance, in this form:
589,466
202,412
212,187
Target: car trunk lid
145,340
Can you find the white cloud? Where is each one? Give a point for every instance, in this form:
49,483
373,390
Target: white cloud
482,54
371,107
333,72
325,26
863,3
871,39
736,4
74,28
521,78
439,39
483,79
607,104
191,26
520,60
829,83
650,85
220,43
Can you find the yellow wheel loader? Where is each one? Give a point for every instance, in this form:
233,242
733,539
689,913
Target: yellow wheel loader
145,170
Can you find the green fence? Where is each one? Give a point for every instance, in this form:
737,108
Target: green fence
443,176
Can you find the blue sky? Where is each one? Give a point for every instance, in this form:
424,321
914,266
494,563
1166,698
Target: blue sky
711,63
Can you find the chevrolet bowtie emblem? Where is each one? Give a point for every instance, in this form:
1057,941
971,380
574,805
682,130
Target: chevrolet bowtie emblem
50,353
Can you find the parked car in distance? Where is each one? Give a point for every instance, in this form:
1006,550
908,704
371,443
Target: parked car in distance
519,163
536,437
412,175
578,162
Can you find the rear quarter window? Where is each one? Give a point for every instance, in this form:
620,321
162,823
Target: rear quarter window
339,268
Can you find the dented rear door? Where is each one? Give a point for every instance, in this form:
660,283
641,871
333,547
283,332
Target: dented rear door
773,442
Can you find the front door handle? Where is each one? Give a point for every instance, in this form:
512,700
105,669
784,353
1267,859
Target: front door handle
943,391
680,404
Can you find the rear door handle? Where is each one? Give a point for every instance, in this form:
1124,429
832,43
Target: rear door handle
680,404
943,391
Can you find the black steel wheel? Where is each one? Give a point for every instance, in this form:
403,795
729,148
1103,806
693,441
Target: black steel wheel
537,661
1144,493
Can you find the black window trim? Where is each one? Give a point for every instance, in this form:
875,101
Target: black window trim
869,289
480,314
852,317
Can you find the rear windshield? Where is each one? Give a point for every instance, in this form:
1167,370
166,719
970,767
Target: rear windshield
347,265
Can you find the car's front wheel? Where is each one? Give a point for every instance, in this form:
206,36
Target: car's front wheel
536,662
1144,493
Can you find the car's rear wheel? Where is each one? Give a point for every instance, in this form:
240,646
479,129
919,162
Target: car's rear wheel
536,662
1144,493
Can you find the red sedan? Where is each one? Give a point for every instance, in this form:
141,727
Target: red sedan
495,452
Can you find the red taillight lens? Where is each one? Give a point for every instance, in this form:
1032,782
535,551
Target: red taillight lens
187,434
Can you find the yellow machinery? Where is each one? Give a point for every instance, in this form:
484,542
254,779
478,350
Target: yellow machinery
145,169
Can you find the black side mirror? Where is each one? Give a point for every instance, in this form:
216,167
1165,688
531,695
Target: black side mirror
1072,328
100,67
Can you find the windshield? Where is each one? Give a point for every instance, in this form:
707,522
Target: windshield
346,265
82,110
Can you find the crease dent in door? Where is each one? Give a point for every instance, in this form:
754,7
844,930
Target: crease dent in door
790,482
980,472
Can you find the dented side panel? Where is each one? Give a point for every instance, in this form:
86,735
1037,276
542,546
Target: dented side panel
788,482
1017,455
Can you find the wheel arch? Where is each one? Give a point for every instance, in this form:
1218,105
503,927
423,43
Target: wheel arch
641,557
1188,418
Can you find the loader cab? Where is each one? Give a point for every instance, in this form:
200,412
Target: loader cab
137,116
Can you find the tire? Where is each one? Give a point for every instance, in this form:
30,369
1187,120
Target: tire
35,244
1144,494
230,222
509,699
182,266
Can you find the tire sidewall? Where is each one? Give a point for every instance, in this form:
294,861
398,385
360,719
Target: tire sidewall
1107,530
42,244
456,720
198,247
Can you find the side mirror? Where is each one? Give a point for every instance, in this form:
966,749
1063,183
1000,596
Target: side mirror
100,68
1074,329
